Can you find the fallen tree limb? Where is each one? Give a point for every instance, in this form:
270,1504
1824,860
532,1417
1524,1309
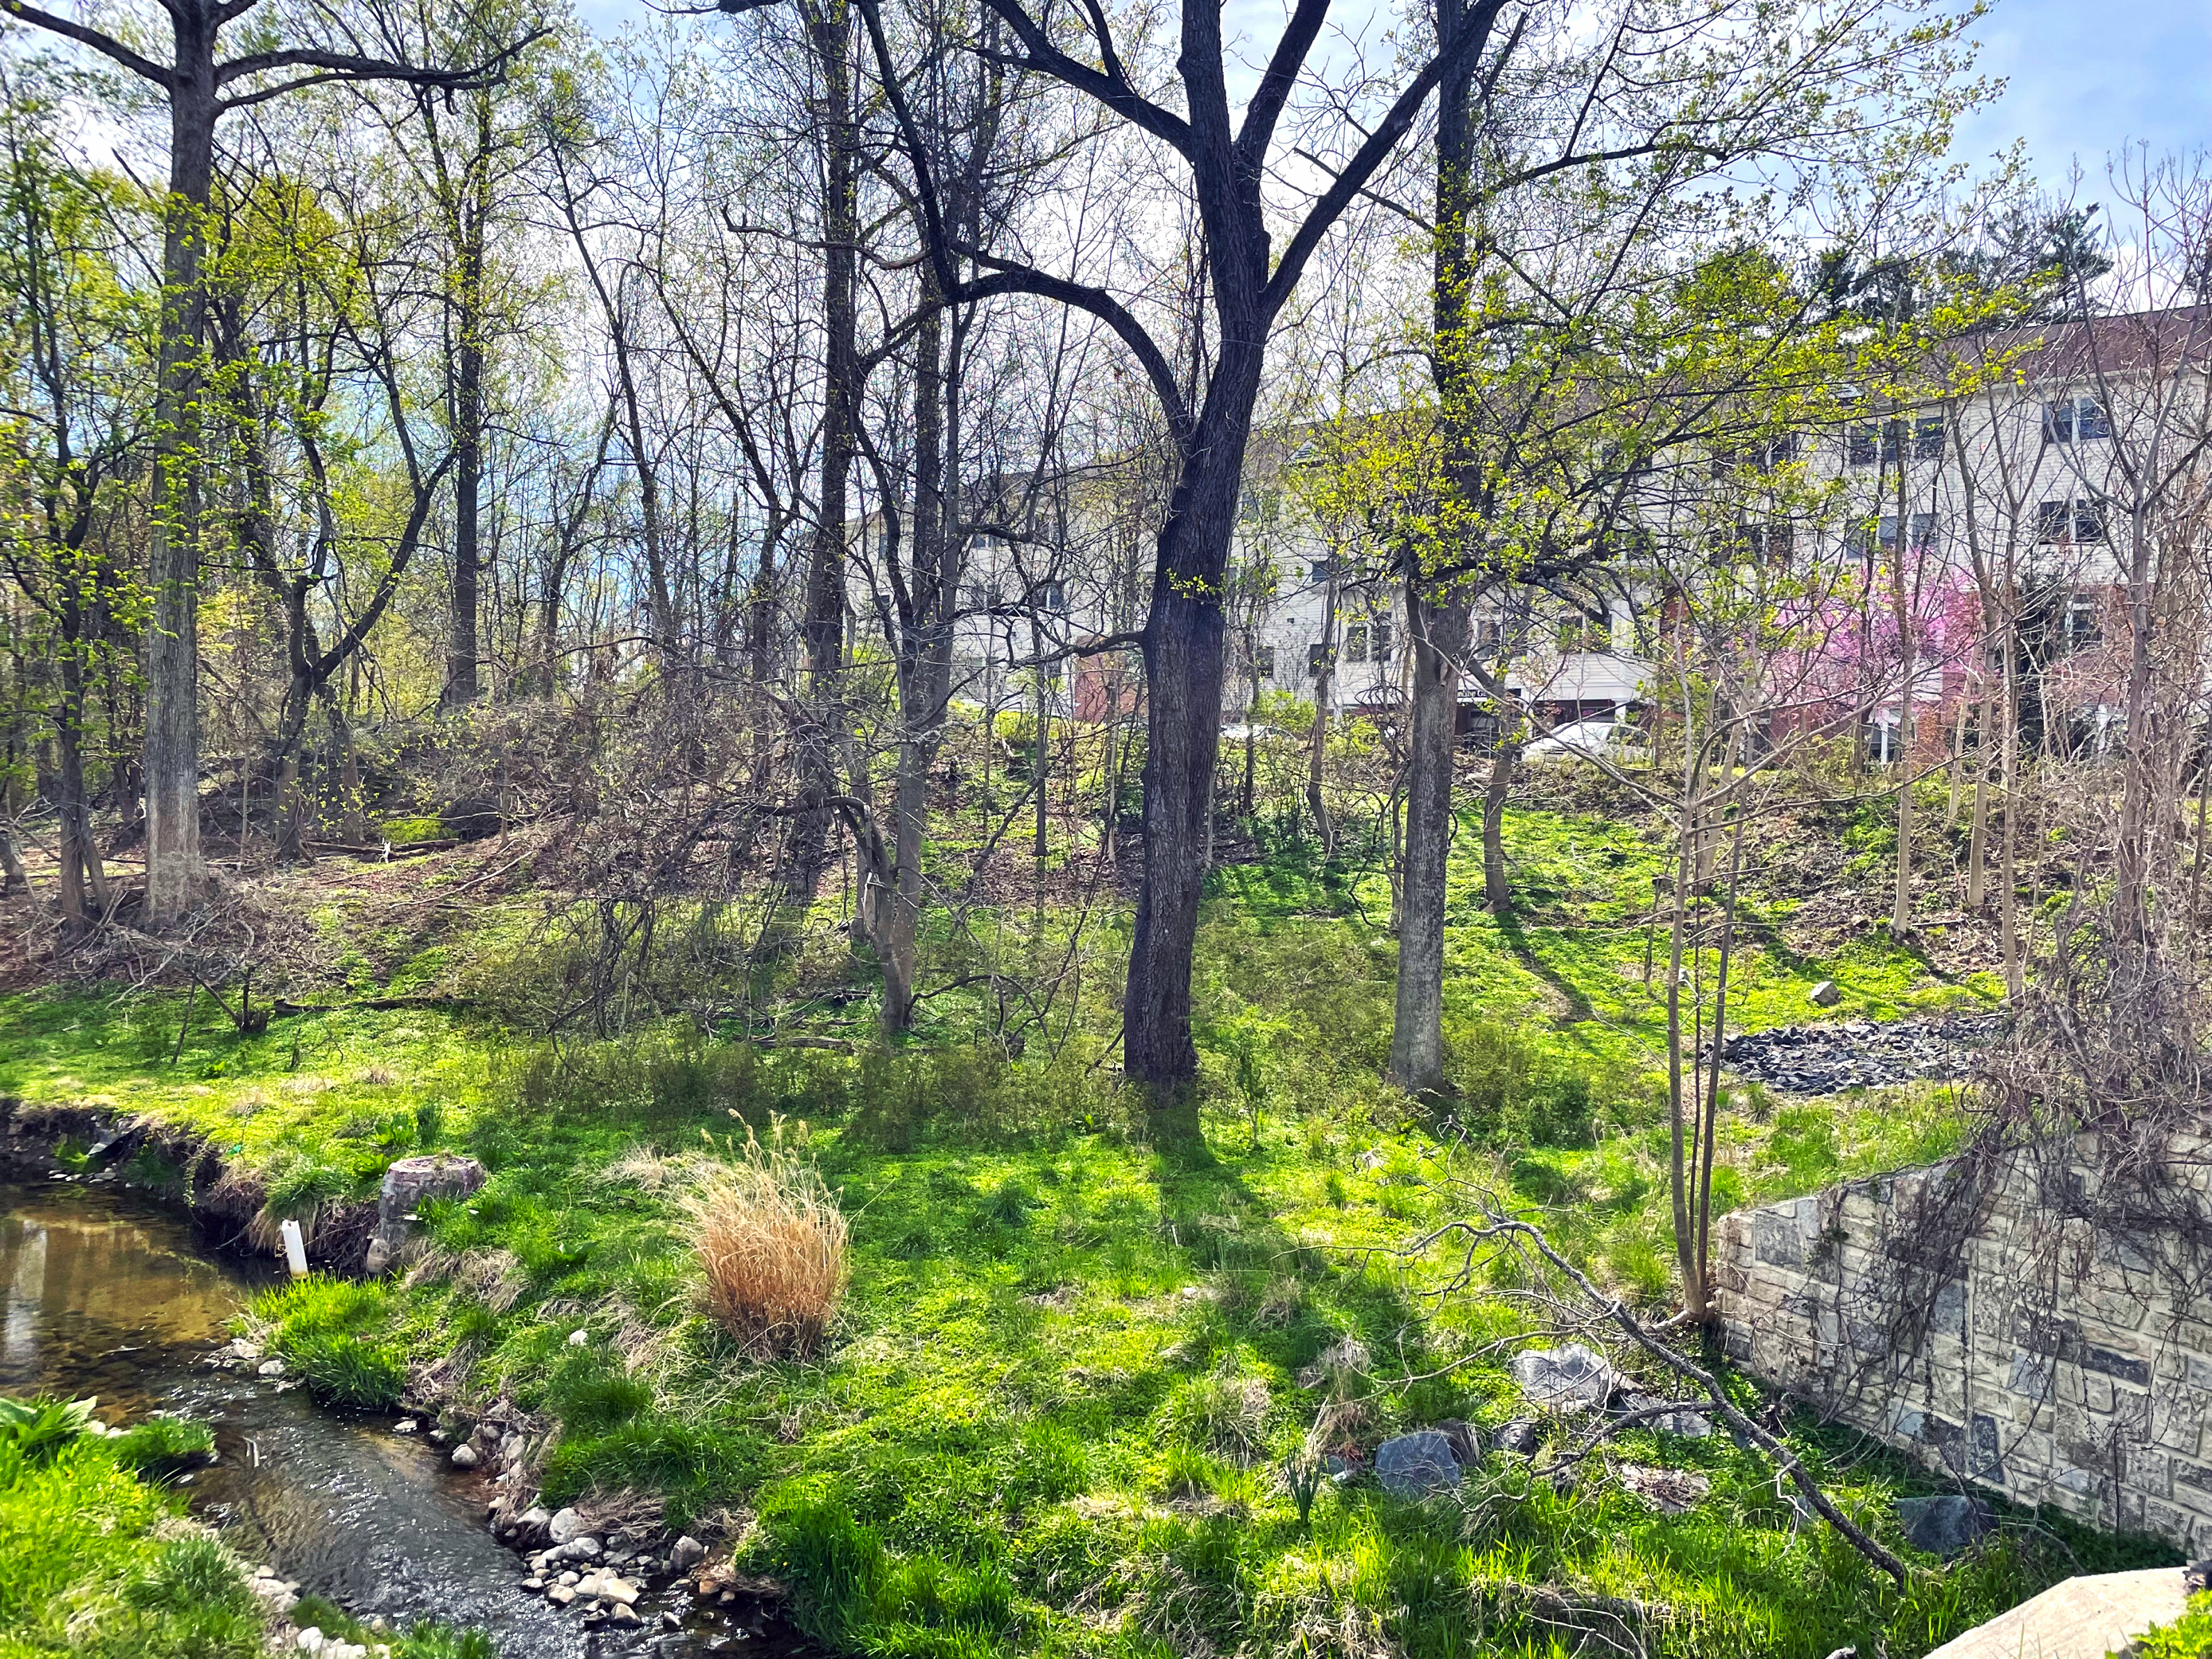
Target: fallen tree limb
1611,1310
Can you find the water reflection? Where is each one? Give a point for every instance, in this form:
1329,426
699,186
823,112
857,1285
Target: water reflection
104,1295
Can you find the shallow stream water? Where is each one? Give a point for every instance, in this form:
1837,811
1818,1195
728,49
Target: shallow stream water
103,1294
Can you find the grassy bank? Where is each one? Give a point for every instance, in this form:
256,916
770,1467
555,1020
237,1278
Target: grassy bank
98,1560
1053,1412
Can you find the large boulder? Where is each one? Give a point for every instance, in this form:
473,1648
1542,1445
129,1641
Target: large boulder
410,1183
1417,1465
1572,1378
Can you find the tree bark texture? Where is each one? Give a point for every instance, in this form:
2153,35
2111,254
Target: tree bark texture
1438,629
175,871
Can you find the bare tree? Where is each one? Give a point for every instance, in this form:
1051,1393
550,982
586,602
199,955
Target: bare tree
201,85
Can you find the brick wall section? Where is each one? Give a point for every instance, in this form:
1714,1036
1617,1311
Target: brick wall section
1990,1336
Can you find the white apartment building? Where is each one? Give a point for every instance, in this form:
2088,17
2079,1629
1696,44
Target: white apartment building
2024,479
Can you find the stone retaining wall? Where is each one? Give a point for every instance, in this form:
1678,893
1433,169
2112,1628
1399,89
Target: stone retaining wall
1970,1320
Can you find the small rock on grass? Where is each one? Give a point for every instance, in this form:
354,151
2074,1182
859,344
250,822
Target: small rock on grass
1947,1526
1572,1378
1826,994
1520,1436
1416,1465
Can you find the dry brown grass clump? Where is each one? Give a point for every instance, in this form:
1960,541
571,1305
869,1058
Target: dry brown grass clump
772,1243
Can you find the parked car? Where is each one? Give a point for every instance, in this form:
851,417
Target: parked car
1603,737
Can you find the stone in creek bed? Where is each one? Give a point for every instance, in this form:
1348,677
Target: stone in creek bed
688,1554
406,1425
565,1525
271,1368
466,1457
560,1596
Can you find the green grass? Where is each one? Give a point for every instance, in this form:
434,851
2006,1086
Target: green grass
1056,1410
91,1565
97,1560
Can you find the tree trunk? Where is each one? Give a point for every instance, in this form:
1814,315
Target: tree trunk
1324,691
1977,836
1901,919
463,685
924,672
1439,630
1497,890
175,872
74,826
1184,642
830,26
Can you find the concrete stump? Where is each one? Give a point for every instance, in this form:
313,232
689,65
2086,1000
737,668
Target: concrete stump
408,1184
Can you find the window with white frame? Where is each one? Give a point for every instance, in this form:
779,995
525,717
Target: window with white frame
2074,421
2077,522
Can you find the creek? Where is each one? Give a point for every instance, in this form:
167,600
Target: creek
101,1294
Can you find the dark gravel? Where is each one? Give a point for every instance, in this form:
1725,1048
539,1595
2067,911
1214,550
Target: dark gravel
1825,1059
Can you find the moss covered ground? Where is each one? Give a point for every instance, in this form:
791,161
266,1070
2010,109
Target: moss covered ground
1056,1408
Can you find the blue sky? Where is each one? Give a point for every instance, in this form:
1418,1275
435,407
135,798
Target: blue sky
2087,76
2084,76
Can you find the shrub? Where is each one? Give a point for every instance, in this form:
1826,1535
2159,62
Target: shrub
1223,1414
320,1324
38,1429
2188,1637
772,1244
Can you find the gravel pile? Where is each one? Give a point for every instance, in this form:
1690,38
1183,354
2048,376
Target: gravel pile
1824,1060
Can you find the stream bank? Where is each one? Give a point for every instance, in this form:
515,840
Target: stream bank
109,1293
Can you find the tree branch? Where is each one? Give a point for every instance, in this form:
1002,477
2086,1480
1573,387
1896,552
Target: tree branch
1472,34
106,44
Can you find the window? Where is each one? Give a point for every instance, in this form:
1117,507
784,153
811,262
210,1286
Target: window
1885,742
1050,595
2078,626
1767,544
1756,544
1921,529
1263,662
1584,633
1760,457
1318,570
2077,522
1355,642
1316,657
1381,639
1879,442
2076,420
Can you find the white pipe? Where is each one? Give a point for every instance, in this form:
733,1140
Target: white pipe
295,1248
